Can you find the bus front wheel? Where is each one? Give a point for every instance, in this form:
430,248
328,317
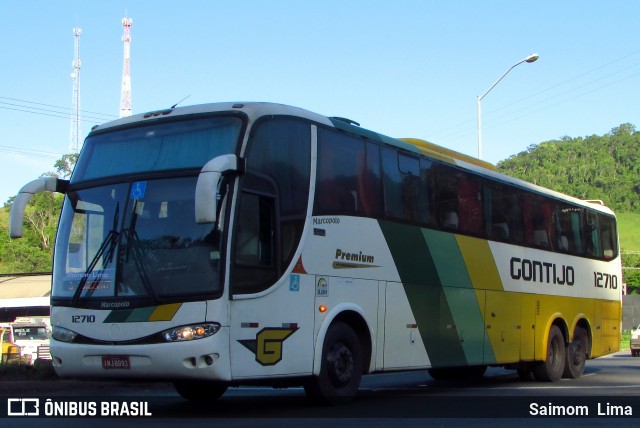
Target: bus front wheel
199,391
341,367
551,369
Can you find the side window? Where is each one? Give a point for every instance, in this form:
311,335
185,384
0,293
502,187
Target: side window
608,234
592,237
502,208
536,215
458,200
272,204
567,221
348,176
470,204
403,193
445,194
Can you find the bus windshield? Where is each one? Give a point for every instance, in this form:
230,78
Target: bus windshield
133,234
181,144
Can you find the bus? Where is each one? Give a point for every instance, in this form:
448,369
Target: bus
235,244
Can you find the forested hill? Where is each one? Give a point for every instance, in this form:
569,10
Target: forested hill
596,167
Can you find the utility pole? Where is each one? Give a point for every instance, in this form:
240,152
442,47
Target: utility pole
125,94
76,133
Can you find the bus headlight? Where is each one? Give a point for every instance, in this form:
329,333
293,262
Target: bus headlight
190,332
63,334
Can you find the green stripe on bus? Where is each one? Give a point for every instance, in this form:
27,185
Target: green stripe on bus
141,314
118,316
151,313
461,298
426,296
447,258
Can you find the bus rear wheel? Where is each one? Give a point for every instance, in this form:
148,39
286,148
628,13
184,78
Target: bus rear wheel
199,391
576,354
551,369
341,367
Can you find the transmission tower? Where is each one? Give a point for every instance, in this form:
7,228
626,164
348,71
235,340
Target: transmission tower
76,133
125,94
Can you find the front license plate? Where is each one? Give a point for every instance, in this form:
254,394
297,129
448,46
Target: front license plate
115,362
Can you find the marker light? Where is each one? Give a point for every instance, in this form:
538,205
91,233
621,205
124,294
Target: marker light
190,332
322,309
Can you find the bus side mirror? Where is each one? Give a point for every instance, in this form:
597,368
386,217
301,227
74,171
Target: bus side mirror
43,184
207,187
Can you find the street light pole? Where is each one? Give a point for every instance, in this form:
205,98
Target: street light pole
531,58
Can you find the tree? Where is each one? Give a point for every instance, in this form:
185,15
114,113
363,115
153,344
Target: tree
34,252
64,166
603,167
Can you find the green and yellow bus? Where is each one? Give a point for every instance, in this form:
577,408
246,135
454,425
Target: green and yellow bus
255,243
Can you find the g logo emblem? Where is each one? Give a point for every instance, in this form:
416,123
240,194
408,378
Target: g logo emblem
268,344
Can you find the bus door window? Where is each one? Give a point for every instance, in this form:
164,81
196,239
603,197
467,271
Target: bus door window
255,249
272,204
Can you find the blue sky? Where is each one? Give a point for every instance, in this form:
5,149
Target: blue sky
405,68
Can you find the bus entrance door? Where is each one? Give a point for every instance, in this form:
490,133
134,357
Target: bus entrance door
272,335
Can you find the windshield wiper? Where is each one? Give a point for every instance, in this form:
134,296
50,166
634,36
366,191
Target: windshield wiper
133,244
108,246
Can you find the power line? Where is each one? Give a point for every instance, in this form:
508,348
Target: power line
463,128
47,112
29,152
107,116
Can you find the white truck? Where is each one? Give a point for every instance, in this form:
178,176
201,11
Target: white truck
30,336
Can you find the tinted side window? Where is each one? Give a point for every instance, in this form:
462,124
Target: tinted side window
502,213
536,214
458,200
567,224
404,195
348,176
608,234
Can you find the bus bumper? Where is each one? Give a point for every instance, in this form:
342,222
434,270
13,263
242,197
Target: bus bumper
198,359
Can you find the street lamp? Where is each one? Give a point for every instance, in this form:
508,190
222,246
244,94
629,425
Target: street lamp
530,58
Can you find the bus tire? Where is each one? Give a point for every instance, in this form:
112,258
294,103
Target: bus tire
576,354
199,391
341,367
551,369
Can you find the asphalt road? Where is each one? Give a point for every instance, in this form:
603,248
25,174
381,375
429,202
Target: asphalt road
608,391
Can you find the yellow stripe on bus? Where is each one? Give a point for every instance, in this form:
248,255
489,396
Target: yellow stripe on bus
165,312
480,263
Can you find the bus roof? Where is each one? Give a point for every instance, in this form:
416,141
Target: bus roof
255,110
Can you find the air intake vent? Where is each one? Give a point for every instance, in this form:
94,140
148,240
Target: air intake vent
345,120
